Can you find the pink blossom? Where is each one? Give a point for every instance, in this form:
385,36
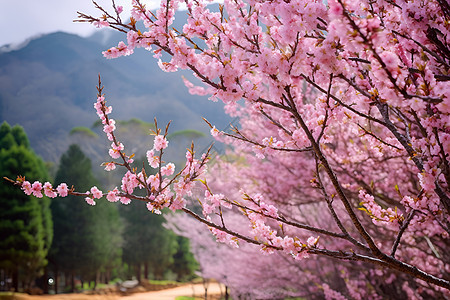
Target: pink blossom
259,151
112,196
288,244
120,50
332,294
98,108
160,142
96,193
178,203
168,169
114,153
215,132
132,38
37,189
270,210
335,8
391,60
426,181
48,190
312,241
189,157
207,209
153,160
101,23
151,208
129,182
26,187
215,199
62,190
109,166
110,127
118,146
166,66
115,150
125,200
90,201
153,180
108,110
301,255
224,237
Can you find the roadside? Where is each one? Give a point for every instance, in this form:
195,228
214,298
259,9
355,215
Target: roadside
190,290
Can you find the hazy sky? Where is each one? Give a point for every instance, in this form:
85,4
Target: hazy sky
21,19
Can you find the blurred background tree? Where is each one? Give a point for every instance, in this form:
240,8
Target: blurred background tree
148,247
184,263
25,221
87,239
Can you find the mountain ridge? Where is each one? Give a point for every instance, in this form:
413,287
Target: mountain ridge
49,86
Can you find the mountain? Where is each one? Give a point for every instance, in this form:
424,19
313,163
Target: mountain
49,86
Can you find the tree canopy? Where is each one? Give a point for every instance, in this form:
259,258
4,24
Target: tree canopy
86,240
26,230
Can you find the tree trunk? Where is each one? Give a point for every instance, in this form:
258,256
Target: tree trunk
72,282
138,272
56,279
66,280
15,279
107,276
205,285
146,270
97,279
45,282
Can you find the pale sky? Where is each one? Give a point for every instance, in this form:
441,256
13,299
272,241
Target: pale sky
22,19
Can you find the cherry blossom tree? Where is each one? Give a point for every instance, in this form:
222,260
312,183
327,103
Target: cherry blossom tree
343,144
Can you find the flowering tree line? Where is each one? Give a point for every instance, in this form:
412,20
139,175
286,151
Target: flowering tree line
343,146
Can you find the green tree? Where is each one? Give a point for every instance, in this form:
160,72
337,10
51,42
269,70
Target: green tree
148,247
184,264
25,221
87,239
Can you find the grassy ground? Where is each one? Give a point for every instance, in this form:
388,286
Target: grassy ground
13,296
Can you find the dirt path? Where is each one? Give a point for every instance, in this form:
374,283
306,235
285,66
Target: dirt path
190,290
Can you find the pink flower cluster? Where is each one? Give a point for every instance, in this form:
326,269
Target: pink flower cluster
36,189
102,112
94,193
160,143
271,240
377,213
212,202
101,23
223,237
120,50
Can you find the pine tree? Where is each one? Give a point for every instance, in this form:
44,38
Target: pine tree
147,243
87,238
184,264
25,221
